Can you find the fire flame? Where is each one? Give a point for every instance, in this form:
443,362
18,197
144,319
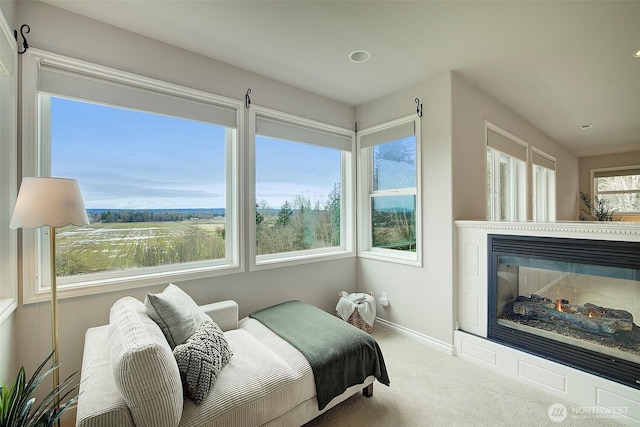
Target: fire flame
559,305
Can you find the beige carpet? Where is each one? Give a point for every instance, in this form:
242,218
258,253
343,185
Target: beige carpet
431,388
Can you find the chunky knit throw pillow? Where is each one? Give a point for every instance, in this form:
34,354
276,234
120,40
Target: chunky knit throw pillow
201,358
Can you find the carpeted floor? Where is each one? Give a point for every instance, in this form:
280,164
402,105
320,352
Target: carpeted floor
431,388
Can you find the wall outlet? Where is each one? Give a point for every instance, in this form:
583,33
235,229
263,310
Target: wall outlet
384,299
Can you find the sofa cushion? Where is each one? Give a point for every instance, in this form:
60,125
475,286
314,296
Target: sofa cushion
176,313
201,358
265,378
143,366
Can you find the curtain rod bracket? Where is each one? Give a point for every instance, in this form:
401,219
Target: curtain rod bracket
24,28
247,98
418,107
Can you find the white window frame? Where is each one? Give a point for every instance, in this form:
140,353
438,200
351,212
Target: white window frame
548,203
347,225
594,187
35,161
365,193
8,169
500,142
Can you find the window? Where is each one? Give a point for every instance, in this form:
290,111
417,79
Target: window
619,188
543,173
506,176
157,166
389,201
302,189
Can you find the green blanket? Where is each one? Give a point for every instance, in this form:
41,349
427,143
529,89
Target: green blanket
340,354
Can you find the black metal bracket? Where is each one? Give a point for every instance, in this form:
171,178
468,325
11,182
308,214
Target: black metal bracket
24,28
247,98
418,107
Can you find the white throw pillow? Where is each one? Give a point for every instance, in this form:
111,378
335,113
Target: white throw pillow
176,313
143,366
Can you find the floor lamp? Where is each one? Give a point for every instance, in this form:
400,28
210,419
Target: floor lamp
50,202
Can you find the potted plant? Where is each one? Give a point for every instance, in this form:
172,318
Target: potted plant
595,210
18,407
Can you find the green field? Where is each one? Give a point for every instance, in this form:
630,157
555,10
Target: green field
115,246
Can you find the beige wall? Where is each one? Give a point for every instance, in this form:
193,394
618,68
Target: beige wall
453,188
421,297
471,107
317,283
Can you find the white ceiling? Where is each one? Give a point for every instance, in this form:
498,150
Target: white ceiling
557,64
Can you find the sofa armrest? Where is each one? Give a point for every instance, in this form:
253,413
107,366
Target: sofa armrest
224,313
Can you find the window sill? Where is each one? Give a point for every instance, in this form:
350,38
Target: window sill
99,286
7,306
393,256
264,262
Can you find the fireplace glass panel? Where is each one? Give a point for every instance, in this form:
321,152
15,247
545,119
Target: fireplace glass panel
589,306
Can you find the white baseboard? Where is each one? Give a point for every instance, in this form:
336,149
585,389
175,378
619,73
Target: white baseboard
416,336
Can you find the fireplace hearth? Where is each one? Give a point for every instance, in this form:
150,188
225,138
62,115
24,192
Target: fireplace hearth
573,301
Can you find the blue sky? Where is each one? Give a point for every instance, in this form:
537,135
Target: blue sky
126,159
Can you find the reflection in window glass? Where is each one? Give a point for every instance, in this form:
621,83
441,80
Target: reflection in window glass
394,164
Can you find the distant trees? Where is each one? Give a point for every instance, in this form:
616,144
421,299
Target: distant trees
299,225
121,216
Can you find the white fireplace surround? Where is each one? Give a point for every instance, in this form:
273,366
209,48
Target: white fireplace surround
588,392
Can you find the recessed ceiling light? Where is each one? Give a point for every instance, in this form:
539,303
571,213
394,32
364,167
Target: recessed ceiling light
587,126
359,56
637,54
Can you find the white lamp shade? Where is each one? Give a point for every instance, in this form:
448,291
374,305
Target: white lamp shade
53,202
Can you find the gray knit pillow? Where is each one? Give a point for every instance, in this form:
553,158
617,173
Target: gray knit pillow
201,358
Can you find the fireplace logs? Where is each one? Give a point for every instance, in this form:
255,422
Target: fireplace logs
588,317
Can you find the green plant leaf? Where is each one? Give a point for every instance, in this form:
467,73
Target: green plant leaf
18,406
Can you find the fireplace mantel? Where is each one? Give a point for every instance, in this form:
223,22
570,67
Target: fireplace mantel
471,341
568,227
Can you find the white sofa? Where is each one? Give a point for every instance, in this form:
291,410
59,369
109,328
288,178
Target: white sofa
267,382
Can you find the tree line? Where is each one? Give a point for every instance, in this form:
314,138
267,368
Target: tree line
120,216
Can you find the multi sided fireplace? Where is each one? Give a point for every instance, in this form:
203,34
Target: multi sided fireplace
573,301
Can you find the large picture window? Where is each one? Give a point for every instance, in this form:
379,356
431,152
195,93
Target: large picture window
389,172
302,189
157,166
